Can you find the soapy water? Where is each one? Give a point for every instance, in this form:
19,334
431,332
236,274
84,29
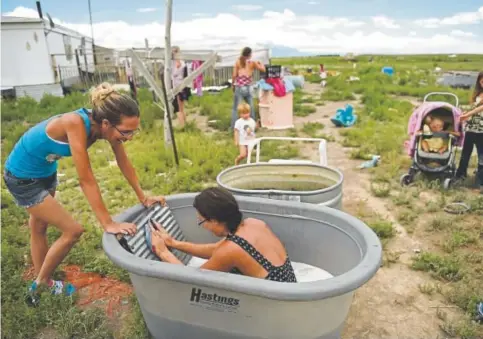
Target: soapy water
303,272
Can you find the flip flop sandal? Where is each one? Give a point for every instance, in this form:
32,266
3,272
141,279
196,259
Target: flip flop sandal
32,297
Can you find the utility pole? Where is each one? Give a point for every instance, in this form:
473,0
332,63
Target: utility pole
167,71
92,33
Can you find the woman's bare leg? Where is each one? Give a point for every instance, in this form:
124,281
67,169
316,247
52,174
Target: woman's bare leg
51,212
38,241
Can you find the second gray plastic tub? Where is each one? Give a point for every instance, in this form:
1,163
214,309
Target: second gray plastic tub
187,302
302,182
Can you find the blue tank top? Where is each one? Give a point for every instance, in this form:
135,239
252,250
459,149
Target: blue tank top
35,155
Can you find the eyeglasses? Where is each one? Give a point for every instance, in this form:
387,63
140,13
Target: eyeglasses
201,222
127,133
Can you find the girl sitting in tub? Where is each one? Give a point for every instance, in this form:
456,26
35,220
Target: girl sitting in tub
248,247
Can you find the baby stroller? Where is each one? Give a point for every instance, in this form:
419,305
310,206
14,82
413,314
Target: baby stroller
434,164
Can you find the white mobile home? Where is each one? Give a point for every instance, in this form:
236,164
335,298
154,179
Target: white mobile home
38,58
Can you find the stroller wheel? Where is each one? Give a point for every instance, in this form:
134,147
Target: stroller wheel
448,183
406,179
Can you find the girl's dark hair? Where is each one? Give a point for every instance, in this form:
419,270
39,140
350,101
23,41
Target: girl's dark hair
218,204
246,52
111,105
478,89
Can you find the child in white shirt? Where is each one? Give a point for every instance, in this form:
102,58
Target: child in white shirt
244,131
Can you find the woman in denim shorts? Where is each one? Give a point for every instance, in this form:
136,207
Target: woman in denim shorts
31,175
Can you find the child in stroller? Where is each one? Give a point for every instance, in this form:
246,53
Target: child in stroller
438,139
434,131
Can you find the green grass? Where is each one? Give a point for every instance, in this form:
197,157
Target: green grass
216,107
201,156
157,173
469,62
303,110
446,268
380,129
314,130
383,229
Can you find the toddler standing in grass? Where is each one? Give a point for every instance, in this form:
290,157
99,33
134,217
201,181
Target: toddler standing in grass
244,131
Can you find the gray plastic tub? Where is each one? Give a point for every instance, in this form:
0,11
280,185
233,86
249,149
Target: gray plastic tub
308,183
178,301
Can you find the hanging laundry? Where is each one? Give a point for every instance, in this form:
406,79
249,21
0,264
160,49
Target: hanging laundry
278,86
289,86
198,81
131,80
262,84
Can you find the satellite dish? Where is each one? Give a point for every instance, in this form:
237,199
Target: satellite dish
51,22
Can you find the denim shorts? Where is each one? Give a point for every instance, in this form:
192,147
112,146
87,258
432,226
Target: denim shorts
29,192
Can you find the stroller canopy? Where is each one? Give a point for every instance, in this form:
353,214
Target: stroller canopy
417,118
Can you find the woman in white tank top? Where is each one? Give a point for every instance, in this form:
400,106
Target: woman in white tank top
178,77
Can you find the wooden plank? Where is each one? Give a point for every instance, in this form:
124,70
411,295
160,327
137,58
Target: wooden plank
160,55
189,79
168,138
187,56
149,78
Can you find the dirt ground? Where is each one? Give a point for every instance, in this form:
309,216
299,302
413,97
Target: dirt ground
390,305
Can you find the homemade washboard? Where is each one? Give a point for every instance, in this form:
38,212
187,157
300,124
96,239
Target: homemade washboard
137,244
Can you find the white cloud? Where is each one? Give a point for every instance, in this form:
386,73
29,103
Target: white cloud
313,2
247,7
199,15
384,22
428,23
146,10
463,18
459,33
315,34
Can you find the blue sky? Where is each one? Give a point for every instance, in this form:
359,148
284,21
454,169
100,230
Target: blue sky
319,26
105,10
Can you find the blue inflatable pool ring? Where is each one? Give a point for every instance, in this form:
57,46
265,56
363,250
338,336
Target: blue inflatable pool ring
344,117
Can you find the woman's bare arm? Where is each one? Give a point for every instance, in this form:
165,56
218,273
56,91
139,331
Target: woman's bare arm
234,74
204,251
127,169
474,111
258,65
222,260
167,256
77,136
